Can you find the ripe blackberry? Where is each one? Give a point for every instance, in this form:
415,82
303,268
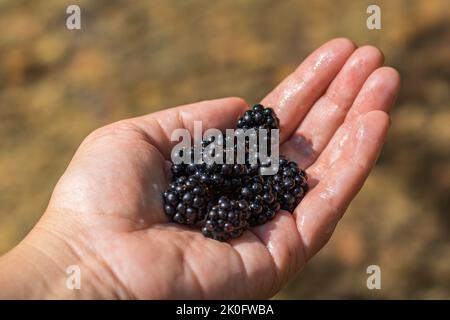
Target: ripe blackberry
227,219
263,201
185,200
290,183
225,200
258,118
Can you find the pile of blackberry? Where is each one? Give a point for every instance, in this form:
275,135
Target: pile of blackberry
224,200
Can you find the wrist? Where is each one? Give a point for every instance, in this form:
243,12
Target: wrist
48,264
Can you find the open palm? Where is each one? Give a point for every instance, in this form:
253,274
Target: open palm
333,112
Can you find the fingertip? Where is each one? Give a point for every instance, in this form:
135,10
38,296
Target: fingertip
387,78
341,42
371,53
221,113
238,101
239,104
392,75
338,49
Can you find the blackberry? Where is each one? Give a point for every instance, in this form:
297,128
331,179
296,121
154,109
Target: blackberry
258,118
227,219
185,200
263,200
290,182
224,200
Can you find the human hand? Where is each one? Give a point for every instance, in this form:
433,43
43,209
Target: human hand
106,213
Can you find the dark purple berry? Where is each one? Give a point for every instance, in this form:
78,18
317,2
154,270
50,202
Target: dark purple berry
224,200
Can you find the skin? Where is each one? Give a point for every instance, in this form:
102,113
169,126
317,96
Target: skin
106,216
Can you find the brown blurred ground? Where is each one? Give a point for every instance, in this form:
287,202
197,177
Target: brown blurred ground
135,57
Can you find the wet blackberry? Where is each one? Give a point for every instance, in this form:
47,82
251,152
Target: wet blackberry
263,202
258,118
227,219
224,200
291,183
185,200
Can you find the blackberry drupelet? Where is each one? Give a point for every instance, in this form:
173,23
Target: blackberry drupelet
224,200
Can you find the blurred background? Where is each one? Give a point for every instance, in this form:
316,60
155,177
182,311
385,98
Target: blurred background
136,57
